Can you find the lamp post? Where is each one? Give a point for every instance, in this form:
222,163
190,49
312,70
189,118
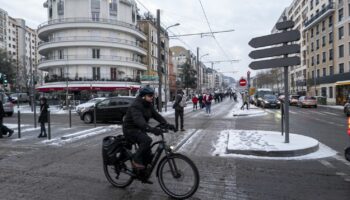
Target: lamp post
166,72
198,69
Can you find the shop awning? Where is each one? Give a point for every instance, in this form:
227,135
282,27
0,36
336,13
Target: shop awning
343,83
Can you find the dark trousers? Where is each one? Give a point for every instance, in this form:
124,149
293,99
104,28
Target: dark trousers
3,129
42,128
245,103
194,106
143,153
179,113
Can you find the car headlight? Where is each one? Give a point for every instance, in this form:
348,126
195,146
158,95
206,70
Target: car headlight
278,102
266,101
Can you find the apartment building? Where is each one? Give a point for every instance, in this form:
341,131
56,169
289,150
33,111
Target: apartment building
98,49
20,42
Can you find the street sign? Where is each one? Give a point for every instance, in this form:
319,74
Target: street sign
277,62
275,51
242,82
277,38
285,25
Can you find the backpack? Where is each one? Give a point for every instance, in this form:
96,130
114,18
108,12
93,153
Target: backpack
113,149
183,102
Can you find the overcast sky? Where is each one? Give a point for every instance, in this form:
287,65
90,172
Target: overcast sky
249,18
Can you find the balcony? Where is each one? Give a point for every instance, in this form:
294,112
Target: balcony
325,12
87,60
100,23
56,78
89,41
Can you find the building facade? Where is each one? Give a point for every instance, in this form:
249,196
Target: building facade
99,49
20,42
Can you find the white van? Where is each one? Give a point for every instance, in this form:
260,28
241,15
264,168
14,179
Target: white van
20,97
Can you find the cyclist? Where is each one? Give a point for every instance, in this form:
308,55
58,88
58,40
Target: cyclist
135,126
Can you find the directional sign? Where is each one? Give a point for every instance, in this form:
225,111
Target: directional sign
242,82
285,25
277,38
273,63
275,51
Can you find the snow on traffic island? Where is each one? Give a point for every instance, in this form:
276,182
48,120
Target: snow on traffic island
259,144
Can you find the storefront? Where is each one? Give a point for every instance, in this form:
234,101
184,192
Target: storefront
342,92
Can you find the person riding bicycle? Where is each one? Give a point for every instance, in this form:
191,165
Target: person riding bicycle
135,126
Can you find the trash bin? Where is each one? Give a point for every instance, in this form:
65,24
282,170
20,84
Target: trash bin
321,100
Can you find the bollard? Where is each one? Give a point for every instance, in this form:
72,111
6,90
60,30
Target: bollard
282,118
19,123
70,117
48,125
95,115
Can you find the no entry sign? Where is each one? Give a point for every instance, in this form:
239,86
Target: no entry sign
242,82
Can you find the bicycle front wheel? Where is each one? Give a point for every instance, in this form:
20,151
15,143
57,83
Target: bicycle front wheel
178,176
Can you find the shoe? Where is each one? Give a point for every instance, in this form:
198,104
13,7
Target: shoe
44,135
137,165
10,133
183,129
40,136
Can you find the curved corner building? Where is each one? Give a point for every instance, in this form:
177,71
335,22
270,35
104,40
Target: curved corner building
91,45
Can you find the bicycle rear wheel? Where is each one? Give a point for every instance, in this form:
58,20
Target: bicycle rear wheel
120,174
178,176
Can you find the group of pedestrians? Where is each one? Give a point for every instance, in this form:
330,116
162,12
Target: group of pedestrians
204,100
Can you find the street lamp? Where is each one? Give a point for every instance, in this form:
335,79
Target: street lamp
166,74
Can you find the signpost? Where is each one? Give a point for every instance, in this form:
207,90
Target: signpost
284,50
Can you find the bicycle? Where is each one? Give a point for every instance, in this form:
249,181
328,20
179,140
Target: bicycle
177,175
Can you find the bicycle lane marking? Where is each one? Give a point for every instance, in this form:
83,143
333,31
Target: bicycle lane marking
186,140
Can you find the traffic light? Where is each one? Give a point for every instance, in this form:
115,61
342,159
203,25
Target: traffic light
5,83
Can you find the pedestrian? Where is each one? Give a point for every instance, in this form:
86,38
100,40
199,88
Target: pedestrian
43,117
208,99
235,97
195,102
200,101
180,103
245,101
4,129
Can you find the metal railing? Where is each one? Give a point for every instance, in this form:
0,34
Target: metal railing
89,57
90,20
330,6
92,38
89,80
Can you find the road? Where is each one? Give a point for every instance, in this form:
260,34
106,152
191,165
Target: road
31,168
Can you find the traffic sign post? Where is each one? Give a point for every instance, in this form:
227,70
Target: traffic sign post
284,50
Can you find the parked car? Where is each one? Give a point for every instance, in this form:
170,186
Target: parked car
88,104
19,97
270,101
347,109
307,101
293,99
7,104
111,109
259,95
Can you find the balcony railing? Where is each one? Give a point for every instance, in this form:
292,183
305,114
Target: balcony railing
91,20
318,15
88,57
55,78
92,38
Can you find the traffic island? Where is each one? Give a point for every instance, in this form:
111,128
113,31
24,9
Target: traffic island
269,144
250,112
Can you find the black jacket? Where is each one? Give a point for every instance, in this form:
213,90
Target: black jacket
178,99
43,118
138,115
2,112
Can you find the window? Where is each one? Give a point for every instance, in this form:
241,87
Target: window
340,14
317,44
311,4
318,59
330,21
113,7
312,33
318,73
323,25
317,29
50,12
96,53
96,75
312,61
324,71
313,74
324,56
95,10
331,70
324,41
341,33
341,51
133,14
60,54
341,68
331,54
113,74
312,46
330,95
60,8
324,91
349,26
330,37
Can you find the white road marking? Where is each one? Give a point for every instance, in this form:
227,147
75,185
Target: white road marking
330,113
327,164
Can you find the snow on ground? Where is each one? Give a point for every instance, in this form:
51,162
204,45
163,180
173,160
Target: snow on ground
237,112
53,109
260,141
332,106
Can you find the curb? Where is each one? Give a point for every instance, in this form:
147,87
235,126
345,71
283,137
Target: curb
289,153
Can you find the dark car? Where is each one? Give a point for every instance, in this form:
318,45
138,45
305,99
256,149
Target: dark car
347,109
270,101
111,109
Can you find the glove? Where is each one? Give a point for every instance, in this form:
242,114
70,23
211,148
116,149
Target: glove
155,131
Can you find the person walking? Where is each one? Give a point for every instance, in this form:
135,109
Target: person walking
179,105
4,129
245,101
195,102
200,101
208,99
43,117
